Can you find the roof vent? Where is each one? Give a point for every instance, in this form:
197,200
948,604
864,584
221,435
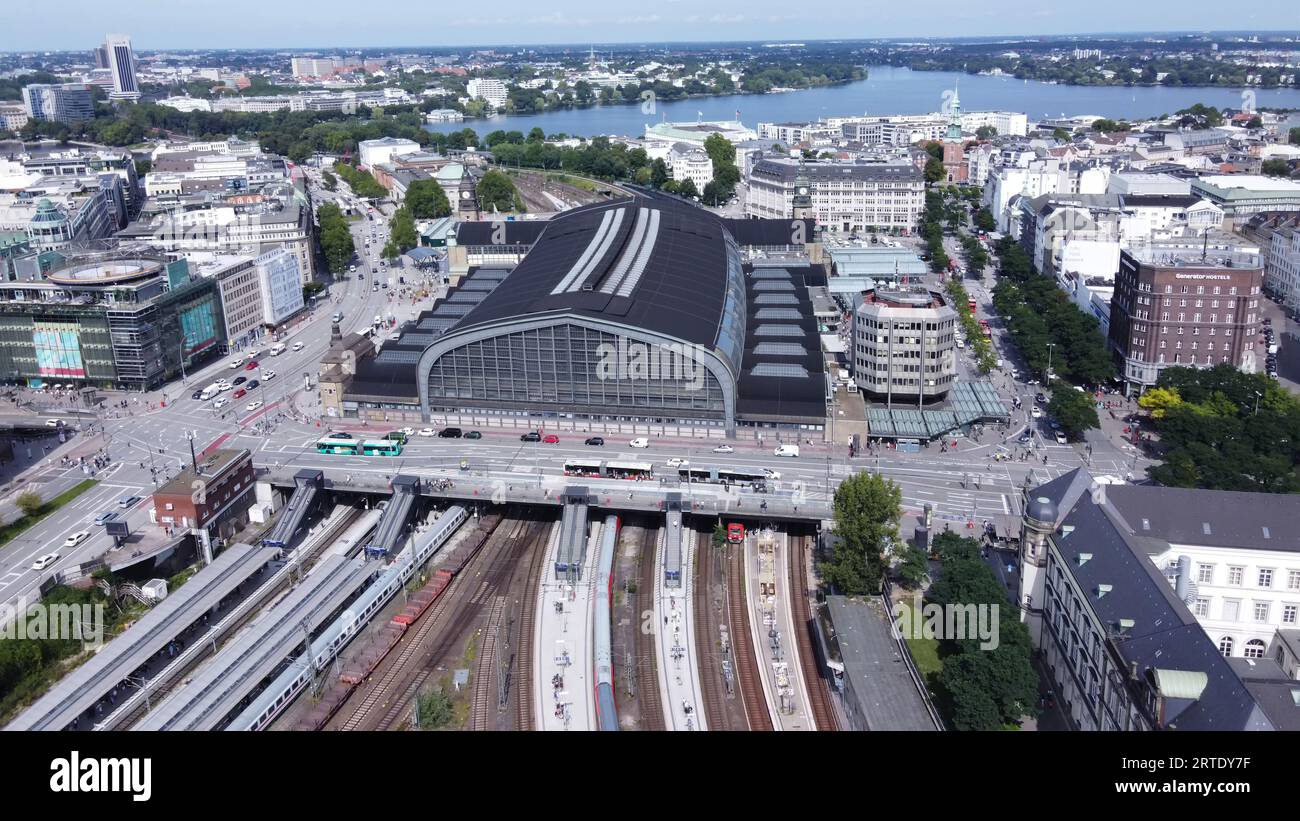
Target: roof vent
1205,527
1146,524
1125,625
1103,589
1267,535
1066,530
1084,558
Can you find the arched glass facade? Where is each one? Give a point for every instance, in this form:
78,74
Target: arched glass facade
568,368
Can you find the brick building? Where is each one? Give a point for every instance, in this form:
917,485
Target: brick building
215,498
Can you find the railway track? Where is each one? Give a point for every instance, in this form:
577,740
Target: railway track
526,716
745,662
414,643
647,675
480,707
801,611
484,582
712,687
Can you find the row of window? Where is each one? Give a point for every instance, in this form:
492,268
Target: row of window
1261,611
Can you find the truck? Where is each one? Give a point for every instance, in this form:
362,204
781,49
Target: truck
278,348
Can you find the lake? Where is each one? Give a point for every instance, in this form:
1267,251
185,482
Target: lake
887,90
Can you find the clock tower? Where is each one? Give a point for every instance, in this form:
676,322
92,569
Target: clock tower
467,198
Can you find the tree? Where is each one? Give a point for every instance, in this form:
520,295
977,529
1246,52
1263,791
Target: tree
984,220
934,170
1061,134
913,568
986,132
934,149
30,503
1158,401
686,188
330,181
1293,136
867,509
426,199
402,236
658,173
335,238
1074,409
1276,168
434,709
1255,122
496,192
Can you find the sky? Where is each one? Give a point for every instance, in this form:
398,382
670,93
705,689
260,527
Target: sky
325,24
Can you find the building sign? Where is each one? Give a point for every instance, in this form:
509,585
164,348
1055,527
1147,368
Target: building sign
1202,276
58,350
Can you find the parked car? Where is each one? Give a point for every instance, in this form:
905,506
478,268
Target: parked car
45,561
428,432
639,442
473,435
724,449
76,538
450,433
594,440
409,431
531,436
551,439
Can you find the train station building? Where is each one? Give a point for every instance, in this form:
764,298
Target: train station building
638,314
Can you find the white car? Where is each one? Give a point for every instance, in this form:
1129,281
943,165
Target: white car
639,442
786,450
1036,412
237,364
409,431
1061,438
221,403
252,406
76,538
771,474
267,376
677,462
724,449
52,423
428,432
298,346
45,561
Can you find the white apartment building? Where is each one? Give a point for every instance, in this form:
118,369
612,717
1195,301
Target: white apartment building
382,151
186,103
898,130
488,88
903,341
846,197
1008,123
1282,271
1044,176
280,285
121,61
688,162
13,116
313,66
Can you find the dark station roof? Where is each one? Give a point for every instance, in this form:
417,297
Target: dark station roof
653,264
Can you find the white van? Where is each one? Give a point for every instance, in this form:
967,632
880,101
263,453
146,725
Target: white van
338,316
278,348
786,450
209,392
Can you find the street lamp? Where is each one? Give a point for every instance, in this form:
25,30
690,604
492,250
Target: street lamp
1047,377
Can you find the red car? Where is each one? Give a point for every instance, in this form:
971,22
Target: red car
251,366
551,439
240,392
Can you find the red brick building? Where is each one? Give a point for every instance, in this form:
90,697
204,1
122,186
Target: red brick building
217,497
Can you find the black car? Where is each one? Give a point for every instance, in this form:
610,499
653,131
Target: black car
473,435
340,435
532,436
595,440
239,380
197,394
450,433
1040,398
252,383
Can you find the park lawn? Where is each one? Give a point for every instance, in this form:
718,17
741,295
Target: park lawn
18,526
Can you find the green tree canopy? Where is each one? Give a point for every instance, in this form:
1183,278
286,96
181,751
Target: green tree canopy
867,508
426,199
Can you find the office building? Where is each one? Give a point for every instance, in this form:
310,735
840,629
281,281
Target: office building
1193,303
488,88
121,61
904,342
846,197
66,103
227,478
280,286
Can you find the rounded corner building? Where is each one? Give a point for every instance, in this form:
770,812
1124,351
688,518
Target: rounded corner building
634,309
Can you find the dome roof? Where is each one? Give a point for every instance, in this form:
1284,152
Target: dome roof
1042,509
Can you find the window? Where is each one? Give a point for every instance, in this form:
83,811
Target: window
1230,609
1261,611
1201,606
1293,580
1225,645
1254,649
1289,613
1235,574
1205,573
1266,577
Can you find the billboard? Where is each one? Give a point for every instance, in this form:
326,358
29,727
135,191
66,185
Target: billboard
58,349
198,327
